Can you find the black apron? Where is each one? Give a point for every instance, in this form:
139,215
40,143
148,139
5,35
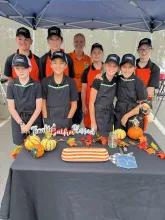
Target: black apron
58,105
127,97
18,137
25,108
104,109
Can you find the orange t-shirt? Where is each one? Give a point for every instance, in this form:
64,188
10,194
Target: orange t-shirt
79,67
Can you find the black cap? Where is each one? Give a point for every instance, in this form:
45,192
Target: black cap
59,54
113,58
97,45
54,31
145,41
128,58
21,60
23,31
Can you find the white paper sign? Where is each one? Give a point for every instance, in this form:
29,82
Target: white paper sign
76,129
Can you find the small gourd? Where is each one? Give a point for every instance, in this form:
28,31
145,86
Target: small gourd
30,141
37,151
48,144
120,133
135,132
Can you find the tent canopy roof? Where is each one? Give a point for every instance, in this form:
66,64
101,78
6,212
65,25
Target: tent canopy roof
136,15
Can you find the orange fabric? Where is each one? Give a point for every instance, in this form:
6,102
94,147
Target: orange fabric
34,74
79,67
144,74
90,78
49,70
145,122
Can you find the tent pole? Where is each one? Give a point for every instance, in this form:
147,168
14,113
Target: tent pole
41,14
19,14
135,45
33,45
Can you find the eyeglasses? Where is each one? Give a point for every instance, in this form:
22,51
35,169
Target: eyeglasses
144,50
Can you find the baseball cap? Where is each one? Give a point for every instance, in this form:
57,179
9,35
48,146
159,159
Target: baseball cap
23,31
59,54
113,58
96,45
21,60
128,58
54,31
145,41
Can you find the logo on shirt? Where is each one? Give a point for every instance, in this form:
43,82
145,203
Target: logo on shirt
86,65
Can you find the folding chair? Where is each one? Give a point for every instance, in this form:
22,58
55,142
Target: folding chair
3,81
161,87
161,92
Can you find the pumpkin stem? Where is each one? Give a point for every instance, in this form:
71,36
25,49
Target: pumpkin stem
34,152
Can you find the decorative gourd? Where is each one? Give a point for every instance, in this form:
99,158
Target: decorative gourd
37,151
48,144
30,141
135,132
48,134
121,134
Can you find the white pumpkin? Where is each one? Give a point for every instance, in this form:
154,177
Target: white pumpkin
121,134
48,144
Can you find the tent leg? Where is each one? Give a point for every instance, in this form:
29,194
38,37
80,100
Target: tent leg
33,45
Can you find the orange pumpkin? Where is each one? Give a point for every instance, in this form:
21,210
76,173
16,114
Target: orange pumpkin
30,141
37,151
135,132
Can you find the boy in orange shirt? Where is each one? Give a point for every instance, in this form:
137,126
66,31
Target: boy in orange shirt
55,41
24,41
88,76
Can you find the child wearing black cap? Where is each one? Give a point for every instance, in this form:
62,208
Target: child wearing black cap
88,76
55,40
24,41
102,96
146,70
24,96
59,94
130,91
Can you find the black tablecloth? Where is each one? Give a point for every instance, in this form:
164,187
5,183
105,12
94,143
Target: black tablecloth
50,189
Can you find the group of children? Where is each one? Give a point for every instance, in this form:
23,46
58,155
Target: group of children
44,91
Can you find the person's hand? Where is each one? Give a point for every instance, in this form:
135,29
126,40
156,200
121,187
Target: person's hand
99,76
25,128
150,91
84,109
124,120
94,126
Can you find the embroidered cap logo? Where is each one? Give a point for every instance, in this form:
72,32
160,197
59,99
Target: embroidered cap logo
22,30
20,60
59,54
144,41
113,58
53,31
129,58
